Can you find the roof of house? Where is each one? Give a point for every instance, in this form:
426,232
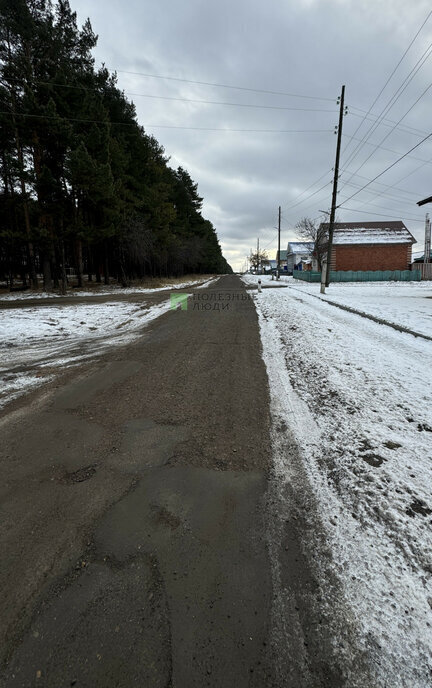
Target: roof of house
385,232
283,255
420,258
300,246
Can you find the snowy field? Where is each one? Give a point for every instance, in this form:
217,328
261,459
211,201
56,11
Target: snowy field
36,342
104,291
404,303
357,397
408,304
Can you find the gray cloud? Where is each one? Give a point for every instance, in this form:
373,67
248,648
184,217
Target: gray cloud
307,47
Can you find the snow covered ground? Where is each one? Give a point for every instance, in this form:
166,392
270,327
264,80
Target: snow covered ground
357,396
36,341
404,303
114,289
408,304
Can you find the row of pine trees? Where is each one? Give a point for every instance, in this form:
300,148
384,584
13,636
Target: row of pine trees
82,187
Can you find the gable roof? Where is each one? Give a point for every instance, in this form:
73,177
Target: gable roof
385,232
300,246
283,255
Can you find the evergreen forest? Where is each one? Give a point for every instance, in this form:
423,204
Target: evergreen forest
84,190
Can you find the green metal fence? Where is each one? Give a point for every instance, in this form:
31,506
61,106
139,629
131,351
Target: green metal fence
361,276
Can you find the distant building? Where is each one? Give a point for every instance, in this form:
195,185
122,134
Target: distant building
298,253
371,246
419,264
420,257
283,260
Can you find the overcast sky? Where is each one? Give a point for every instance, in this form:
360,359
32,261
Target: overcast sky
249,160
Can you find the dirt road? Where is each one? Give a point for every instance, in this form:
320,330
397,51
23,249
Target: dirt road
135,519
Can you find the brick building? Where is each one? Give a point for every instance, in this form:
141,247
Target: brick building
371,246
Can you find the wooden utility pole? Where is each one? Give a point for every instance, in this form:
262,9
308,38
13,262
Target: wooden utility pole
335,184
279,227
258,256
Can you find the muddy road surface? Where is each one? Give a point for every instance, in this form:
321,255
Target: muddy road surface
135,519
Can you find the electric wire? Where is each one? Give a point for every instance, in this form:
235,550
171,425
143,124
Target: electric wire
391,130
389,167
389,217
164,126
377,193
176,98
238,88
389,150
427,53
391,76
386,123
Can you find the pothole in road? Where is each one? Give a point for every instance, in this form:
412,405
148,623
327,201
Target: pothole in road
165,517
79,476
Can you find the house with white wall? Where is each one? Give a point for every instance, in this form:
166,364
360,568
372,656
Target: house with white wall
297,253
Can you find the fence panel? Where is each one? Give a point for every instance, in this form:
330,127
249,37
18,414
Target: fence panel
366,276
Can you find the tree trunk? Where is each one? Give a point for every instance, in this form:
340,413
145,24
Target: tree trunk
62,260
30,247
90,264
47,276
106,264
79,260
54,261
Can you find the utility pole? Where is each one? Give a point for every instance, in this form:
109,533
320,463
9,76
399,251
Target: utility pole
427,244
335,184
258,258
279,226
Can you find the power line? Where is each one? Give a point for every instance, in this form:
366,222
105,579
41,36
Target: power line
374,205
237,88
392,102
376,193
309,187
257,131
245,105
269,244
389,217
389,150
391,130
391,76
308,197
389,167
186,100
167,126
385,123
393,186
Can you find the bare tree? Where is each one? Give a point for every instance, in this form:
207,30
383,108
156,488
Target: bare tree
315,234
258,259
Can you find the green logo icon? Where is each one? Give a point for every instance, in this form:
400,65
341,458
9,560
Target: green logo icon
179,301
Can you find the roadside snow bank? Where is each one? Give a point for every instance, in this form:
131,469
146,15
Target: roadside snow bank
357,398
